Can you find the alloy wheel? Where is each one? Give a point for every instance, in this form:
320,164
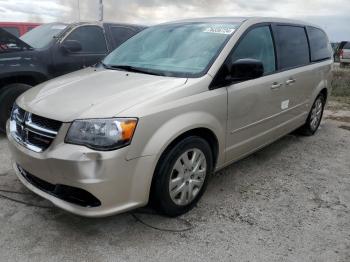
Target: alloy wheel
316,114
187,177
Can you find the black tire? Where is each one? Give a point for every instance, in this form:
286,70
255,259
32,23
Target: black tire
161,198
8,96
308,129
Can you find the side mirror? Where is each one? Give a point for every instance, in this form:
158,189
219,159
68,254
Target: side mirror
71,46
246,69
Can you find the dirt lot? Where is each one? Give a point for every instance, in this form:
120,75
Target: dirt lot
288,202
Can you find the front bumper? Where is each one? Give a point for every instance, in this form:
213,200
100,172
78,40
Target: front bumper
117,183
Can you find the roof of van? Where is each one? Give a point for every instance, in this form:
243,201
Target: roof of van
210,19
241,20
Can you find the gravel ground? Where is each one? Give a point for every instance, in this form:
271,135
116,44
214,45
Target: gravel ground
287,202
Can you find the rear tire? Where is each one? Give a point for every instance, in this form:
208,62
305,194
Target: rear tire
8,96
179,184
315,116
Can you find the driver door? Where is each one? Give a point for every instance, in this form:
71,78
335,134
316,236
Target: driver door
93,50
254,106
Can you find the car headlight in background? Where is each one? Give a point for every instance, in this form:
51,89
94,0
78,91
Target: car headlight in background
102,134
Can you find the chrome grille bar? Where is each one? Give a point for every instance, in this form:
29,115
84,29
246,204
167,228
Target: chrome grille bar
29,134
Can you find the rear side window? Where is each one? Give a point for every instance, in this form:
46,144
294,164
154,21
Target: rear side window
293,46
347,45
91,38
320,49
12,30
257,44
121,34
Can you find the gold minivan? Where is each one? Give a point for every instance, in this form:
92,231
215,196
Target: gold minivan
170,106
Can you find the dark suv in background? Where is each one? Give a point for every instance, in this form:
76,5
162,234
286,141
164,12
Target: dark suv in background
51,50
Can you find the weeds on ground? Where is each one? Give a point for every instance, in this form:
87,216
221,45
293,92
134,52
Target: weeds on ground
341,84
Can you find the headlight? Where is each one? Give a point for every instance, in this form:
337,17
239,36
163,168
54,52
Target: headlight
102,134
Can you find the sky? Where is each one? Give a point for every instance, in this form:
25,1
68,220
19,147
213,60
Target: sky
332,15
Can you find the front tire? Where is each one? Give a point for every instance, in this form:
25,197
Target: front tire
315,116
181,176
8,96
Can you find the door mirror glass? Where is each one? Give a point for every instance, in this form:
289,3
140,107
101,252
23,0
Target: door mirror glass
71,46
246,69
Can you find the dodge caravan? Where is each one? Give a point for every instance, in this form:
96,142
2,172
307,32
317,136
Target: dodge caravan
167,108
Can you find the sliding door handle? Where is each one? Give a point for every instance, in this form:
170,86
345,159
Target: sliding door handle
276,86
290,81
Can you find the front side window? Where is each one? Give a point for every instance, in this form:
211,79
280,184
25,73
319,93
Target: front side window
91,38
293,46
178,50
320,48
257,44
347,45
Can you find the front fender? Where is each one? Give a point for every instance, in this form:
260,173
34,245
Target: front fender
179,125
31,64
155,132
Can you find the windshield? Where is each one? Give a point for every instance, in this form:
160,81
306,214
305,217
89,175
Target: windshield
179,50
41,36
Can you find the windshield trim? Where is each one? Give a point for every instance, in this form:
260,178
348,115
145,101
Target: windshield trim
129,68
176,74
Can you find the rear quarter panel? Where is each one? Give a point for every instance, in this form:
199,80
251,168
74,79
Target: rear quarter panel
323,77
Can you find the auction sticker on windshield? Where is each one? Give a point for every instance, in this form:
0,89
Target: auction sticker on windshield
219,29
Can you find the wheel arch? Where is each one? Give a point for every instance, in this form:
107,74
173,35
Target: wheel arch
28,78
202,132
322,88
324,92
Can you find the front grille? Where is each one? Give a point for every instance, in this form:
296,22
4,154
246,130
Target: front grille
46,123
20,115
32,131
70,194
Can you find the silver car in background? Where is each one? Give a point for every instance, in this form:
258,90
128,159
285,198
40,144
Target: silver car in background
344,55
166,109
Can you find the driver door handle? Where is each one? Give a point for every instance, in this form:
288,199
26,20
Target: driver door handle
276,86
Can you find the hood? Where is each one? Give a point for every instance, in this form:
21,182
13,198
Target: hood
94,93
10,43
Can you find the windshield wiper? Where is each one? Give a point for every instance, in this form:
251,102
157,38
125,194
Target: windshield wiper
131,69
